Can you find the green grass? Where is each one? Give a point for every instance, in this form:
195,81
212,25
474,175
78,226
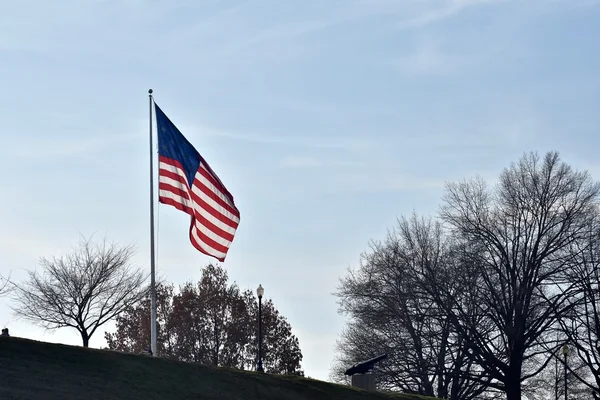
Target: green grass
39,370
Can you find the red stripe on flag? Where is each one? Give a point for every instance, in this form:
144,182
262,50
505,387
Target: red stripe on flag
169,161
175,190
177,205
172,175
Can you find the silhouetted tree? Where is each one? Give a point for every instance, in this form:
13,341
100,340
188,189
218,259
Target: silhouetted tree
519,240
511,265
391,313
581,325
82,290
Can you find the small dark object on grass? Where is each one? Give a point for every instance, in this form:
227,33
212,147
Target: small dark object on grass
5,332
365,366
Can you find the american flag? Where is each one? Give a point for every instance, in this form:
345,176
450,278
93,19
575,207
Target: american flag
186,182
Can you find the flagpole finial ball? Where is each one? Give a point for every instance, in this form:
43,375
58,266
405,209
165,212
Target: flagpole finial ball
150,91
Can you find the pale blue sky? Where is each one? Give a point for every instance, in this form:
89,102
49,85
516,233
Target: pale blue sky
325,119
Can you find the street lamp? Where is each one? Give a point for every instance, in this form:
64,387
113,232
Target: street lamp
260,292
565,351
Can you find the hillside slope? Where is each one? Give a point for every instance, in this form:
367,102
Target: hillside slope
39,370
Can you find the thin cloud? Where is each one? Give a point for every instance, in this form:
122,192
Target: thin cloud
376,183
295,161
292,141
73,147
25,246
441,11
429,58
309,162
434,56
352,12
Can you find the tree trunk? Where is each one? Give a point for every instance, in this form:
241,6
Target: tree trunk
513,383
85,338
216,350
513,390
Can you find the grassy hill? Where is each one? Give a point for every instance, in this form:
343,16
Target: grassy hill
39,370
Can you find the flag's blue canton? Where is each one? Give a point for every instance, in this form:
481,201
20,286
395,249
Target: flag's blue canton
172,144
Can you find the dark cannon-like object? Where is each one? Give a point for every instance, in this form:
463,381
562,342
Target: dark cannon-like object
365,366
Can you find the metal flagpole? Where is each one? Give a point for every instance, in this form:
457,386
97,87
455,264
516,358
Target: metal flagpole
152,260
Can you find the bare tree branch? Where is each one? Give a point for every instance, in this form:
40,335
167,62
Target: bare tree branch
6,285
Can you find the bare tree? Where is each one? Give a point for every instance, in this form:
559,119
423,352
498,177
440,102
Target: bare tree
83,289
390,313
582,325
518,240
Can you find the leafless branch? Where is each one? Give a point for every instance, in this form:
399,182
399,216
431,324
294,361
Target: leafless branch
6,285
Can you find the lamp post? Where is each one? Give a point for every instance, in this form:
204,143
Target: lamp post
260,292
565,351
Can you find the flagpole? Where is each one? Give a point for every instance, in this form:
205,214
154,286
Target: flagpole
152,259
